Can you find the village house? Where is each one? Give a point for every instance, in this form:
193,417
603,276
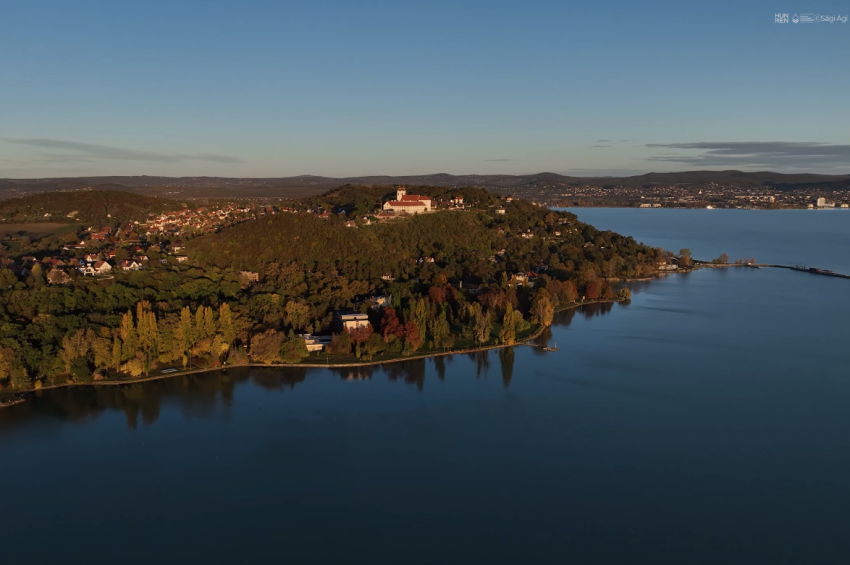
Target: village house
96,268
347,321
315,342
58,276
380,301
130,265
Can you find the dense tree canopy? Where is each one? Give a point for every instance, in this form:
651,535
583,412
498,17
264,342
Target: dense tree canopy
455,278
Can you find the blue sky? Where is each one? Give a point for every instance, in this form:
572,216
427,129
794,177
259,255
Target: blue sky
334,88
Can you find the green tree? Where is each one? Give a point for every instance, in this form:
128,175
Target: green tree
483,325
511,323
225,323
129,338
294,349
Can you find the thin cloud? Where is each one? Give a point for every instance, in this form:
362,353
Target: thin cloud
601,146
95,151
499,160
604,140
769,154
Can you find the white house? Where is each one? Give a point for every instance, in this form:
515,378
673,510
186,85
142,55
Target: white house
96,268
130,265
349,321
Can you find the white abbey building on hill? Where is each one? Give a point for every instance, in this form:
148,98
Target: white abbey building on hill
410,203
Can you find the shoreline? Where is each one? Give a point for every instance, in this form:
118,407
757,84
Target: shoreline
21,396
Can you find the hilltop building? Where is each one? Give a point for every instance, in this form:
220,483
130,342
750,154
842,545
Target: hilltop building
410,203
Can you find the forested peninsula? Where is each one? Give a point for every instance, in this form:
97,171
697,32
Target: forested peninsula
161,285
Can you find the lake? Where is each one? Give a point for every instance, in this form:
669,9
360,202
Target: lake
704,422
814,238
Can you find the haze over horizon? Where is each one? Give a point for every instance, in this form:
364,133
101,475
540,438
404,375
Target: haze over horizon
345,89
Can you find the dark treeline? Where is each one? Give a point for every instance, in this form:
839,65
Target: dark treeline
103,207
453,278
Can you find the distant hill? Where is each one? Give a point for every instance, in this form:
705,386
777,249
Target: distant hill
83,206
309,185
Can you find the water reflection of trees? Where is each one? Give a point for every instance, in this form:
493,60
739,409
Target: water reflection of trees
198,395
201,395
506,358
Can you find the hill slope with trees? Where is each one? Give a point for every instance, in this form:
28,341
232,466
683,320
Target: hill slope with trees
450,279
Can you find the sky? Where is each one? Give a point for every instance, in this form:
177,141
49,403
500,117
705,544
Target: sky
347,88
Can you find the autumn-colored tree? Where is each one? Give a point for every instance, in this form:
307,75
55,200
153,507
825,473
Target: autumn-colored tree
209,322
412,337
7,358
218,348
265,347
511,323
542,309
390,325
185,335
129,339
134,367
361,334
115,358
591,291
102,349
437,294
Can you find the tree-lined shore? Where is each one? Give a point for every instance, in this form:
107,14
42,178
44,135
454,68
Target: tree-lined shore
485,276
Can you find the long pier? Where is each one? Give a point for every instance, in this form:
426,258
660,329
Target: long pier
800,268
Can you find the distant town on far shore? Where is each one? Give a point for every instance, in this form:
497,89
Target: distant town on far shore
691,189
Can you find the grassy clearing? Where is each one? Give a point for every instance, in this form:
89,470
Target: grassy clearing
36,228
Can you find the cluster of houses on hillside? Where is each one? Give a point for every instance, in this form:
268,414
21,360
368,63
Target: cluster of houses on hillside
57,270
203,219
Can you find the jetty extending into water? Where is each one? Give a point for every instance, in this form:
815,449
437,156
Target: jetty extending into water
811,270
801,268
552,347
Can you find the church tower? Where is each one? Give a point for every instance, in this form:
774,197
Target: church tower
400,193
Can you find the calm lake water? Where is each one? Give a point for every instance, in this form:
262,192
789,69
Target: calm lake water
705,422
815,238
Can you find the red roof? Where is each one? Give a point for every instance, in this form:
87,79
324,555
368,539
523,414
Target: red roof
414,197
398,203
